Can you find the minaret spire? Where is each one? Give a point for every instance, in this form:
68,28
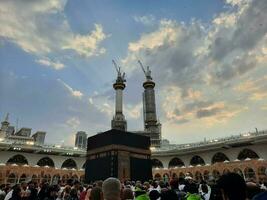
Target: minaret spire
118,121
151,125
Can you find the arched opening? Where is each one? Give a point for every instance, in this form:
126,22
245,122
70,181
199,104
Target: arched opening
247,153
74,177
262,174
46,178
65,178
219,157
166,177
189,174
249,173
176,162
174,175
12,178
18,159
35,178
206,175
226,171
198,176
216,174
156,163
22,178
46,161
82,178
181,175
238,171
55,179
69,164
84,165
157,177
197,160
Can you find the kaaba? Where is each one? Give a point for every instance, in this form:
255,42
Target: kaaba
119,154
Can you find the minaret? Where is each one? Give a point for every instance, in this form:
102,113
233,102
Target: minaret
4,127
151,125
118,121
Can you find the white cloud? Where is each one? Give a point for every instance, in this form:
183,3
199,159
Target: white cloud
47,62
195,64
75,93
41,28
146,19
73,122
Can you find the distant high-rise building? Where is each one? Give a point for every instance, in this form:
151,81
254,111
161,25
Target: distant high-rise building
81,140
39,137
25,132
4,127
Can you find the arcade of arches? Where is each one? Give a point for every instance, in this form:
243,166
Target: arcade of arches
247,163
12,172
251,170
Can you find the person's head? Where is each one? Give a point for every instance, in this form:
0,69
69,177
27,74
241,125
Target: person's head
168,195
232,186
74,193
111,189
53,191
127,194
252,189
204,188
99,184
16,192
96,194
24,185
174,184
154,195
191,188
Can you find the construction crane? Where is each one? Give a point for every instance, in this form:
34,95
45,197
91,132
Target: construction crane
142,67
146,72
118,69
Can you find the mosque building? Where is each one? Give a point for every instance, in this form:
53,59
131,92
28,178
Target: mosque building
245,153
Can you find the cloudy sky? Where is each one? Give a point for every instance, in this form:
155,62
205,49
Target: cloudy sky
208,59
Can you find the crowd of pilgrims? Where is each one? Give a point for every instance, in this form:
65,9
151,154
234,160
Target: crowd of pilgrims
230,186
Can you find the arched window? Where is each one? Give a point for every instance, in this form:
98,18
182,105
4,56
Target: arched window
262,174
216,174
250,173
74,177
174,175
176,162
238,171
157,177
46,178
84,165
82,178
69,164
181,175
226,171
156,163
35,178
219,157
247,153
11,178
46,161
22,178
206,175
197,160
198,176
55,179
18,159
65,178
